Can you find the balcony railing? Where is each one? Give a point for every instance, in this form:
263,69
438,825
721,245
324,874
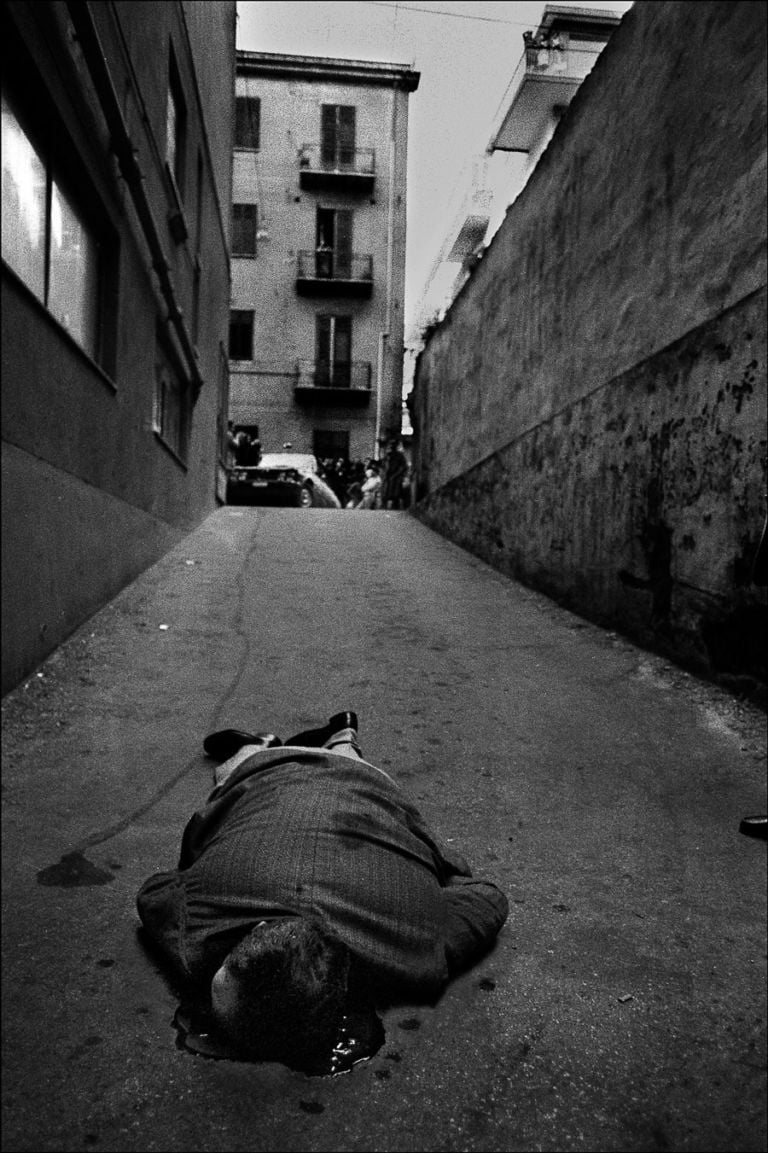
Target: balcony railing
341,167
325,272
346,381
557,55
547,77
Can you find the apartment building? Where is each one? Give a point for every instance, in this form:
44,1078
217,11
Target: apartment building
318,252
116,157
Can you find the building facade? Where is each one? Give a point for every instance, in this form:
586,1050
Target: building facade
318,252
117,127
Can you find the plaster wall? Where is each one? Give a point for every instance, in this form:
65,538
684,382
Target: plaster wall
590,416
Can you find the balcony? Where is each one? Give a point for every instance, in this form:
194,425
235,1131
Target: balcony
324,272
324,382
340,170
554,63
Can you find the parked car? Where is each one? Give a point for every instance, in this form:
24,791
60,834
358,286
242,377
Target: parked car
281,478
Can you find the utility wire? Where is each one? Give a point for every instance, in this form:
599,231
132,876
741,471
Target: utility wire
442,12
455,15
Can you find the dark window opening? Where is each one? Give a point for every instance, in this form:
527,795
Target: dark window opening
334,243
247,122
330,444
245,222
240,335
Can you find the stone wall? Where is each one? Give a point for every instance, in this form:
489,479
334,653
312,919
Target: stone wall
590,416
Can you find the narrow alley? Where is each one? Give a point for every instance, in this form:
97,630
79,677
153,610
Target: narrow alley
623,1007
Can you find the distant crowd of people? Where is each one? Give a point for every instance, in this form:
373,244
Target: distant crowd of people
383,484
371,483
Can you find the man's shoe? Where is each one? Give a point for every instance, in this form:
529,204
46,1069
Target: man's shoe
755,827
224,744
316,738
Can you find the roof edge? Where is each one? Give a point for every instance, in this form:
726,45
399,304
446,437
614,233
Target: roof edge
377,72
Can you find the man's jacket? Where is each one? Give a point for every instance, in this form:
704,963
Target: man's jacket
309,833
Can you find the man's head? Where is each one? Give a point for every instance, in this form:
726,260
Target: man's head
281,993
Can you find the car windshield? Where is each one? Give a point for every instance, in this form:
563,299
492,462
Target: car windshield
295,460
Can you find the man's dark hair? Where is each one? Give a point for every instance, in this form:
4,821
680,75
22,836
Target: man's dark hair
291,987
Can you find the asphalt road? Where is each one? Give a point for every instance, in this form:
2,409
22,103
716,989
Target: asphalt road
624,1005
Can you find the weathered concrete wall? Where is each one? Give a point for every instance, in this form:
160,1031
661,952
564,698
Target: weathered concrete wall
590,416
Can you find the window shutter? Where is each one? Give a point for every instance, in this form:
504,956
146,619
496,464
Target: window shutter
328,135
346,135
247,122
343,246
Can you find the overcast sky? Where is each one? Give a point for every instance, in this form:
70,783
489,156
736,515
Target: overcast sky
466,53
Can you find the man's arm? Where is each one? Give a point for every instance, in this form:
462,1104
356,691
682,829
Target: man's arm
205,822
475,912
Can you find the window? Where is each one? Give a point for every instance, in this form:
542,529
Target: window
46,238
176,128
245,219
240,335
333,344
327,444
247,122
334,243
337,129
172,403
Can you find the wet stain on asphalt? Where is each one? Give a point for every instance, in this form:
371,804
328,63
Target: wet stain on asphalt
73,870
361,1035
410,1023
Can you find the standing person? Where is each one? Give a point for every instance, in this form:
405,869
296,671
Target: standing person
339,482
371,488
395,473
254,452
306,876
242,448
